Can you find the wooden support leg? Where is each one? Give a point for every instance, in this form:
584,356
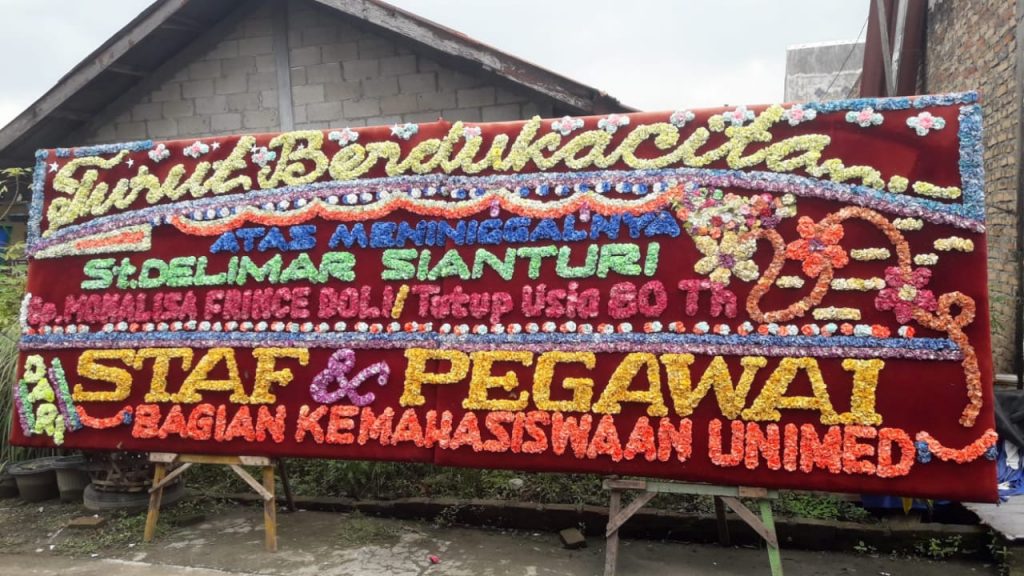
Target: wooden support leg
723,524
611,553
154,502
288,497
774,554
270,510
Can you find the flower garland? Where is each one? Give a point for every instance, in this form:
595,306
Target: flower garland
870,254
833,313
954,243
123,417
859,284
930,446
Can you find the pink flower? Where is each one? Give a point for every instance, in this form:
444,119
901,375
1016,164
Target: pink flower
904,295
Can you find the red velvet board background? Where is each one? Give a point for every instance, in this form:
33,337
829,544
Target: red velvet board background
912,395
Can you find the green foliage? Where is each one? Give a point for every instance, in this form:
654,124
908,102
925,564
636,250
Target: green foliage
819,507
940,548
862,548
13,275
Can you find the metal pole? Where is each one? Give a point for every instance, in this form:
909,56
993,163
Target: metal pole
883,32
1018,320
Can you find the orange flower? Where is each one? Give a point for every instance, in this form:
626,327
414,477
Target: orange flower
818,247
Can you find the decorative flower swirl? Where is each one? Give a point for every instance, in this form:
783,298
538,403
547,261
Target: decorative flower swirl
730,257
903,294
818,247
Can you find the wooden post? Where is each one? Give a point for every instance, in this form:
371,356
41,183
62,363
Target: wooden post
724,496
611,552
288,496
772,543
154,502
270,510
236,463
723,524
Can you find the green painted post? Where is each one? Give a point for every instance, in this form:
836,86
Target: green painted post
774,554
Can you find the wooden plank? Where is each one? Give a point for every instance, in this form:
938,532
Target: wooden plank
165,457
753,521
883,28
270,510
154,503
89,69
126,70
721,522
615,522
705,489
202,44
408,25
225,460
241,472
611,546
170,477
751,492
619,484
282,65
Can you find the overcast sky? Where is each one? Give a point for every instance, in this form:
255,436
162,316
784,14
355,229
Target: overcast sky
651,54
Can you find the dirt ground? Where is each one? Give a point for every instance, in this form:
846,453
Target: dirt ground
203,538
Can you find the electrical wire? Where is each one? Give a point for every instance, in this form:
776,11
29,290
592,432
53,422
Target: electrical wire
848,55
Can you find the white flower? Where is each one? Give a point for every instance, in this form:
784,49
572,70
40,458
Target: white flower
261,156
470,132
566,124
343,137
798,114
612,123
160,152
196,149
738,116
865,117
925,122
404,131
679,118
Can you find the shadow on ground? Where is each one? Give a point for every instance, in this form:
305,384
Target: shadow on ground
230,541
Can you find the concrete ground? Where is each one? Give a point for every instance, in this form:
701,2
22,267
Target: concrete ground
230,542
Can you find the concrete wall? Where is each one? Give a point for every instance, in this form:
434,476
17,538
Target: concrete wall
972,46
823,71
342,73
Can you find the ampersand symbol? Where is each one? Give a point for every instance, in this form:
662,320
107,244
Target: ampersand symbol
338,367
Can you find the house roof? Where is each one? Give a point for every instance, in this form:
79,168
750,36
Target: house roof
172,31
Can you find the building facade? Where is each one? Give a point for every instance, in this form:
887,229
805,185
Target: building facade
972,45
